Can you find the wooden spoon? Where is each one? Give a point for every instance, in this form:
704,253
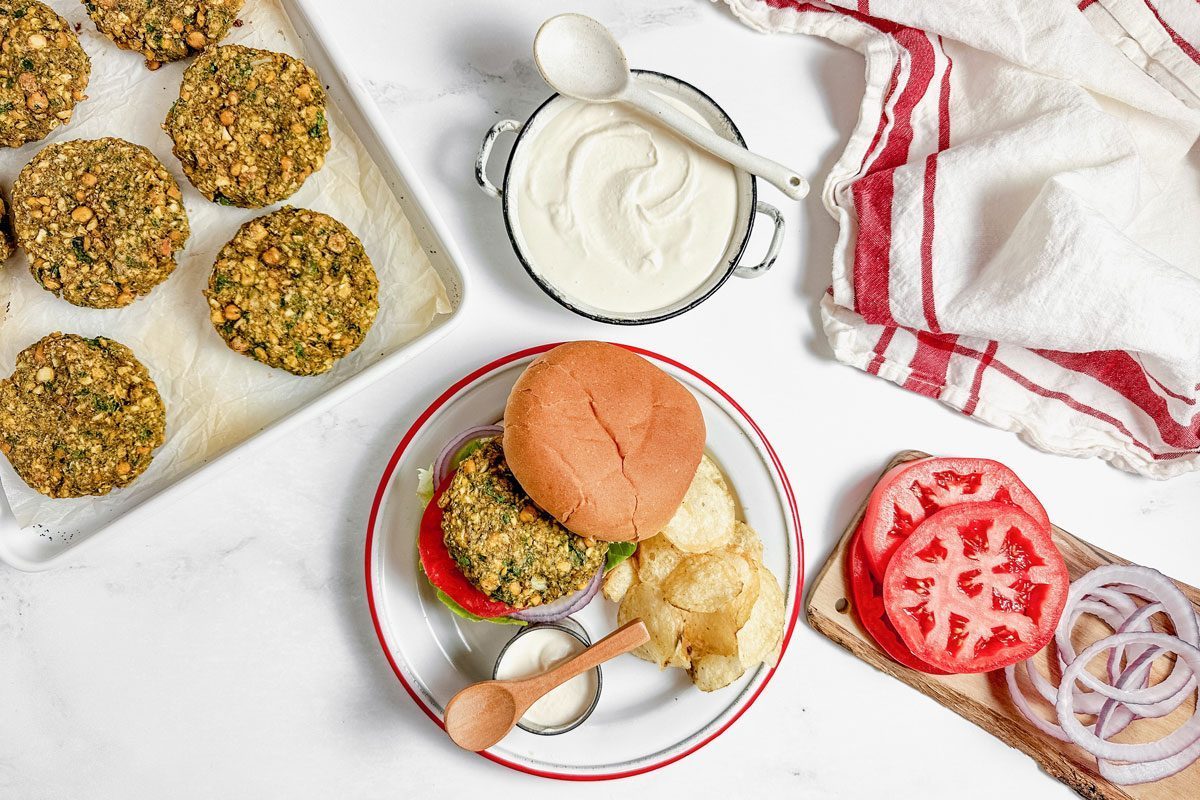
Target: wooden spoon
483,713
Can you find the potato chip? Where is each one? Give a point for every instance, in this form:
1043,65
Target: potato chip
712,672
746,541
704,521
618,580
760,637
680,658
656,557
772,659
714,633
743,604
663,621
706,582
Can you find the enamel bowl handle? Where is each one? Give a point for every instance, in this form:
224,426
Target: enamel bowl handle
485,153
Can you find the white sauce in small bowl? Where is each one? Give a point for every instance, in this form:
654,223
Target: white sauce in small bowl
620,213
540,649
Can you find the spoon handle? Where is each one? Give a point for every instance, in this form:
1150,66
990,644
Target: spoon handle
785,180
625,638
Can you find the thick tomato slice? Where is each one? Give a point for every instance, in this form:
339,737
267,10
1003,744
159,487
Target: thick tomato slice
441,570
867,595
912,491
976,587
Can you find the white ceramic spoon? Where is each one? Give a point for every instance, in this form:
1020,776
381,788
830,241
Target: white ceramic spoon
580,58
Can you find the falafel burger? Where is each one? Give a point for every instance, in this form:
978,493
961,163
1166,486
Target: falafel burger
596,451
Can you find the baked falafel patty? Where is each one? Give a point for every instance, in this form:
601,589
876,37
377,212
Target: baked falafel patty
511,550
249,126
163,30
79,416
293,289
43,71
100,219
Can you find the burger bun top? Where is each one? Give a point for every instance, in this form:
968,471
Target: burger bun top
603,440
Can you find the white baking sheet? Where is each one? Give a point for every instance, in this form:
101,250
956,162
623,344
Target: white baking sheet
215,398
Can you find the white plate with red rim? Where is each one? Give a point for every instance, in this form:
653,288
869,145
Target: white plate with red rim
646,718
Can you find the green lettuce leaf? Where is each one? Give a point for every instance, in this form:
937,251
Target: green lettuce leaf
618,552
425,485
449,603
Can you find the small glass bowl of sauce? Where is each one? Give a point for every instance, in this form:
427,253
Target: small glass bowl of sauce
538,648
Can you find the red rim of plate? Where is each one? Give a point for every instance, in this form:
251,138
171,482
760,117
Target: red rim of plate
385,480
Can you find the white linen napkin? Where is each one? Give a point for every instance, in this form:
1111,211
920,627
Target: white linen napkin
1019,211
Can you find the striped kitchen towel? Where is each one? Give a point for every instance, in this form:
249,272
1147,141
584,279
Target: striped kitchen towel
1019,212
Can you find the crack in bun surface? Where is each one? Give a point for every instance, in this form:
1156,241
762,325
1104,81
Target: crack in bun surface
603,440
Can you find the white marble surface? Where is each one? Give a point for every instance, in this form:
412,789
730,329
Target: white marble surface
225,649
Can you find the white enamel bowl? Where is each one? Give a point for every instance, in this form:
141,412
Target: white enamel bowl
646,718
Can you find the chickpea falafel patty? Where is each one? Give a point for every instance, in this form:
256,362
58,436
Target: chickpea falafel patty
511,550
163,30
43,71
100,219
79,416
249,126
295,290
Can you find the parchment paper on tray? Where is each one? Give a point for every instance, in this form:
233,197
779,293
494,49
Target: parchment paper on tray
215,397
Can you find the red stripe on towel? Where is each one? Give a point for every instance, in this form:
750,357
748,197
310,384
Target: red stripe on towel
873,194
932,359
1121,372
881,347
984,362
1189,50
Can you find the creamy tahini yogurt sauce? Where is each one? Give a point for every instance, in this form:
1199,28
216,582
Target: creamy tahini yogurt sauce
537,651
618,212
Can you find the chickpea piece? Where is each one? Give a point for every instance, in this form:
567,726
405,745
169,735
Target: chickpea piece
196,39
81,214
227,117
271,256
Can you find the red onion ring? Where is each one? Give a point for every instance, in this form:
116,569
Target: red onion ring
1110,593
444,463
1113,608
1111,613
563,606
1150,585
1149,701
1174,743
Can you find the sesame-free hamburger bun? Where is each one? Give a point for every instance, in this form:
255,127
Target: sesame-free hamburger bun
603,440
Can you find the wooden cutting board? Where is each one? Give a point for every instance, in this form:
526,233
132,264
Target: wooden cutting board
984,699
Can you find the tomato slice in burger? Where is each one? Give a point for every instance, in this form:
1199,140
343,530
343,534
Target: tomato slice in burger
912,491
976,587
867,595
443,572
